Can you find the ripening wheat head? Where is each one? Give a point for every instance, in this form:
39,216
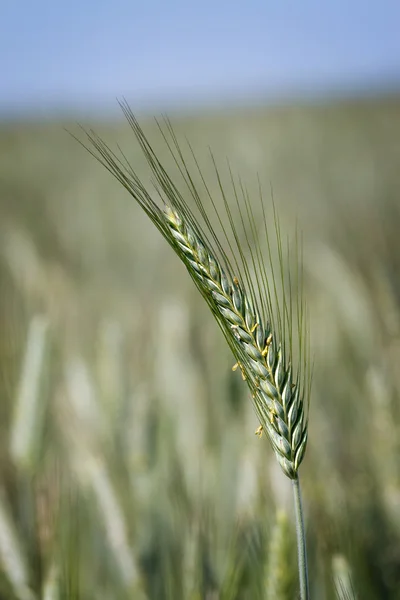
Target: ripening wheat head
260,309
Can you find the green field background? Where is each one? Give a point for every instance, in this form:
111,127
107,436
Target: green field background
129,464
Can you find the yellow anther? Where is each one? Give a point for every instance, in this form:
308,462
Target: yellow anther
272,416
267,345
238,365
236,281
259,431
252,330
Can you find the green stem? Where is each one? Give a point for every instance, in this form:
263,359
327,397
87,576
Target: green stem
301,542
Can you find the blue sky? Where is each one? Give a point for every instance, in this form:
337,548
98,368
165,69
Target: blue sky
82,54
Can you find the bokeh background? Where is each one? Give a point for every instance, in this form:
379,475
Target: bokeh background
128,462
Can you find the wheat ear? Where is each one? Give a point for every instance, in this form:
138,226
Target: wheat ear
277,399
255,318
254,330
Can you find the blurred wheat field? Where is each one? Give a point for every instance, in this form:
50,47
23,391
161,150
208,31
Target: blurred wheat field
129,465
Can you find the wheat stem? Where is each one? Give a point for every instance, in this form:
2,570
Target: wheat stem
301,541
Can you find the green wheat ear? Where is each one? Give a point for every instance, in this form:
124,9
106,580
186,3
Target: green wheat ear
260,309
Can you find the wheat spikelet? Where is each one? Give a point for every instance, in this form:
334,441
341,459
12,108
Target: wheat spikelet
259,335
